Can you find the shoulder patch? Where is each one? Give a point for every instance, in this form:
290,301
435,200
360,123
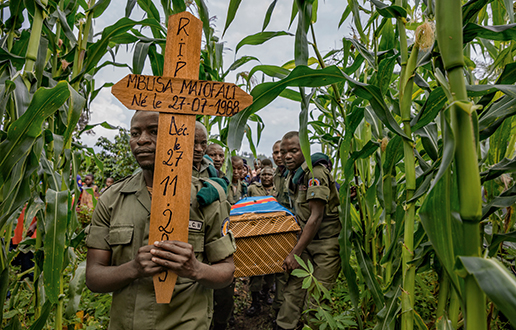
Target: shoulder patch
314,182
225,227
195,225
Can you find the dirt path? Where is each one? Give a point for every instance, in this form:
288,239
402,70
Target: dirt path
262,321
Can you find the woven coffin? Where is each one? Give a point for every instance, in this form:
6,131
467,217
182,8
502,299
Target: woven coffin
263,241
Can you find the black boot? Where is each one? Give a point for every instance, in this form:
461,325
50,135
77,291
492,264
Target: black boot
256,307
219,326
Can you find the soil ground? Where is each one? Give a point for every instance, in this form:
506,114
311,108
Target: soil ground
262,321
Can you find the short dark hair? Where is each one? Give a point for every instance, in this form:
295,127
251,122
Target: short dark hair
266,162
211,145
290,135
90,175
235,159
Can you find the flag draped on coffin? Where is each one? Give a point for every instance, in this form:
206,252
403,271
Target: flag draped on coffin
261,204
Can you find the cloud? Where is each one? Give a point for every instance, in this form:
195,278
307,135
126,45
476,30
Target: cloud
106,108
281,115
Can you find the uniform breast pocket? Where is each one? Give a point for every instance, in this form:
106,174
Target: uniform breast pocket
119,239
301,197
120,235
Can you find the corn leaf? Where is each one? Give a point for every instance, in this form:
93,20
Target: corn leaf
495,32
436,217
270,70
76,288
392,305
99,8
471,8
4,278
498,239
433,105
24,131
259,38
140,54
505,199
304,140
98,49
42,319
366,268
496,282
268,15
55,228
303,23
238,63
495,115
504,166
232,9
179,6
392,11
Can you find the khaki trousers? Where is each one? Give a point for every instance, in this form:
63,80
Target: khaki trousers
324,256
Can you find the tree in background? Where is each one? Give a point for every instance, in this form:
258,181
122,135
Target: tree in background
116,157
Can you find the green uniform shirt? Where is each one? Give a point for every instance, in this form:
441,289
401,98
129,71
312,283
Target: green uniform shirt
203,171
241,192
281,187
120,224
320,186
257,189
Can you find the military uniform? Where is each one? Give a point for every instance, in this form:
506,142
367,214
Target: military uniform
207,170
120,224
257,189
323,251
241,191
281,187
224,298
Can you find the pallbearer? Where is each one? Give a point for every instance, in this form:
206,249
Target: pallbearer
315,200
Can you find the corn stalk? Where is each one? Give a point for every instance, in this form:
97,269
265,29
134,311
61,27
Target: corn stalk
449,37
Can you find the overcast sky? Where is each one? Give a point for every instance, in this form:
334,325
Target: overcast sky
281,115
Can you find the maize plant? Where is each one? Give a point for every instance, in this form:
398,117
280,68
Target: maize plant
47,69
415,109
427,140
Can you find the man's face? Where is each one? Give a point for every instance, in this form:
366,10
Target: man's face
238,169
144,133
291,153
200,144
216,153
257,164
267,176
276,154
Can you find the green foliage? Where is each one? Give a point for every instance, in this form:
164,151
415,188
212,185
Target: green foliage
320,314
419,203
115,156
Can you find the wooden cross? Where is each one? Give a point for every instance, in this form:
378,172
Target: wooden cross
178,96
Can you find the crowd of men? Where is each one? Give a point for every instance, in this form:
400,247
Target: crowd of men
122,260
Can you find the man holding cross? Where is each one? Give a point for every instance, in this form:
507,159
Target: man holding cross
121,260
187,232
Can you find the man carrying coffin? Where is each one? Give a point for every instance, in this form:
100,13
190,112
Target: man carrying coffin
316,200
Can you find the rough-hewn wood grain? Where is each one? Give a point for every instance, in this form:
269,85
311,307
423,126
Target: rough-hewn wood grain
170,209
175,95
178,96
